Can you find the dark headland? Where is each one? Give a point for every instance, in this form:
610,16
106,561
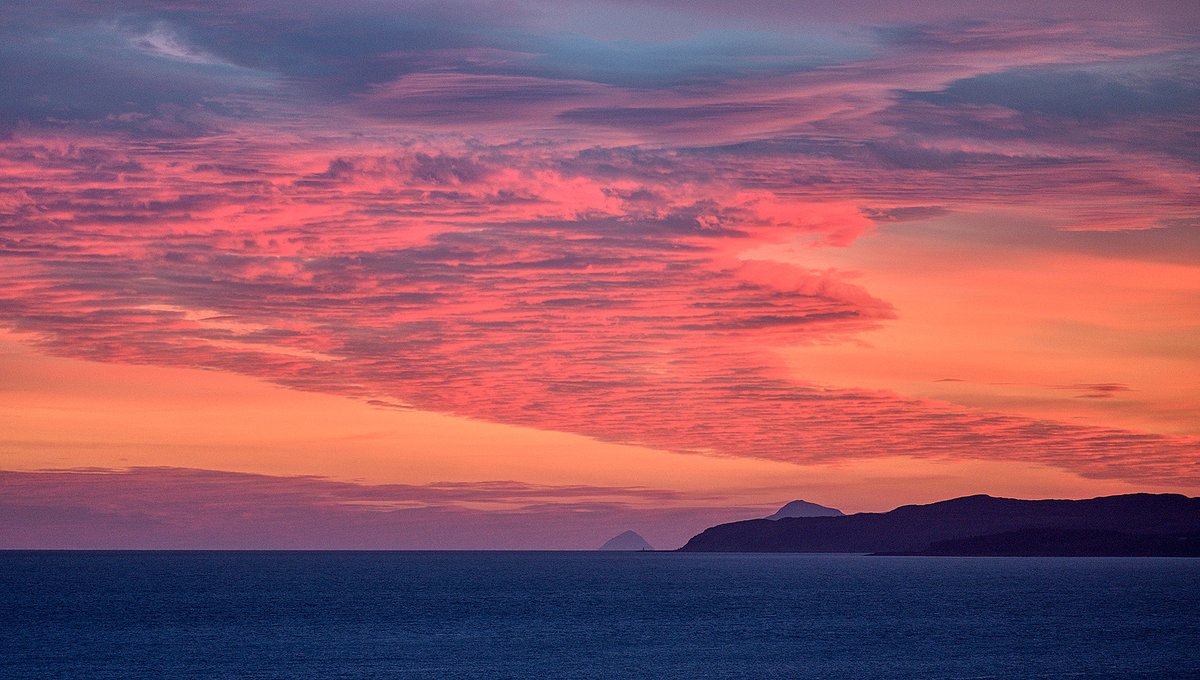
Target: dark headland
1127,525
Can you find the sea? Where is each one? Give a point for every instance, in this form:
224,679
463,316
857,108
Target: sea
441,615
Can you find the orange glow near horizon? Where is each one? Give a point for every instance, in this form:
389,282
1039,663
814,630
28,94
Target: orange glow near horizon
71,414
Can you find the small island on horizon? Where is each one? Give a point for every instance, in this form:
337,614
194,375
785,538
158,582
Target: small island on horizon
627,541
1129,525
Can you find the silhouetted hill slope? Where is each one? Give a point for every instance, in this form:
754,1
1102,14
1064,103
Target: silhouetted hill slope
916,529
804,509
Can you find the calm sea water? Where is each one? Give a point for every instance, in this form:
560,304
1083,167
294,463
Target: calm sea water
593,615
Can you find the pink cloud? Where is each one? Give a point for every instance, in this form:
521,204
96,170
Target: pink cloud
506,291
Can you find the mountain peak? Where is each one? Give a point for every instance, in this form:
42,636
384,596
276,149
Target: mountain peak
628,540
805,509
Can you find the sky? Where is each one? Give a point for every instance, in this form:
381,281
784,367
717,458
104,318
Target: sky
523,274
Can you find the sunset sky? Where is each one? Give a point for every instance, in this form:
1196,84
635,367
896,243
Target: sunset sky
524,274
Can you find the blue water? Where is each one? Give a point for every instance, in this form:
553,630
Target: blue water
593,615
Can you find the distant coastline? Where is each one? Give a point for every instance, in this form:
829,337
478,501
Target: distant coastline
1131,525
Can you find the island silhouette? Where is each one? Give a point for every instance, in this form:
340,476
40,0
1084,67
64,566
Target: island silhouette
627,541
1125,525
